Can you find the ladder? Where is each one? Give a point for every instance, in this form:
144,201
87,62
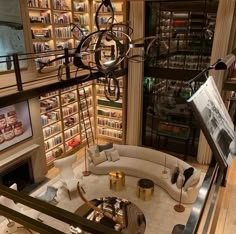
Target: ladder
85,116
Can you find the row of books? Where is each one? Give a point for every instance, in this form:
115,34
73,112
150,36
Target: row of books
110,132
48,104
63,32
60,5
81,19
38,3
110,113
50,117
68,110
40,47
62,18
71,132
50,130
43,18
52,142
110,123
41,33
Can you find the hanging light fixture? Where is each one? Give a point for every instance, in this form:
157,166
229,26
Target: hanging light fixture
105,50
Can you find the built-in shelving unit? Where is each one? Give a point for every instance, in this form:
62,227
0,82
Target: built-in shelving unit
61,121
109,114
187,44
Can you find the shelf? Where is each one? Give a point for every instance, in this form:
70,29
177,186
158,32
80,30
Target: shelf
109,117
71,137
50,110
112,128
55,146
69,103
109,137
51,136
53,122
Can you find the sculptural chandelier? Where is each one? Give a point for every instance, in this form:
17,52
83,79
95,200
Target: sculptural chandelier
104,51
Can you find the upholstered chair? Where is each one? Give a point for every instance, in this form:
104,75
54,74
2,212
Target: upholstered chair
67,176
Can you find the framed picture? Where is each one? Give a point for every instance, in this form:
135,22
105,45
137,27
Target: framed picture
15,124
214,120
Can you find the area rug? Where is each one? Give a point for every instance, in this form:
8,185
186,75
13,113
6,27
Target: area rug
159,212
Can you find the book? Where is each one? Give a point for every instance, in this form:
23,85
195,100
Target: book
214,121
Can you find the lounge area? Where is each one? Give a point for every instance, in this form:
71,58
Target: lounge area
96,186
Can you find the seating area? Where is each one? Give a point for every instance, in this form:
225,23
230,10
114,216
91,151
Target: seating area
135,163
147,163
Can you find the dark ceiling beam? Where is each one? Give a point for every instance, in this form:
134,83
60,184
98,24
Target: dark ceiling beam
37,91
173,74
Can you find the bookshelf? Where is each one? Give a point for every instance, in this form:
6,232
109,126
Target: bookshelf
110,115
61,122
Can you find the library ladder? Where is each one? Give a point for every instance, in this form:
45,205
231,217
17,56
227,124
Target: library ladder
85,116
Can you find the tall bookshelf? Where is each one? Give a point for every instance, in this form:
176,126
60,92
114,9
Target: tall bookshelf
62,128
49,22
110,123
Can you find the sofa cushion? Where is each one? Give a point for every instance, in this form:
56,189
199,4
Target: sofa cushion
114,156
100,158
105,147
92,150
193,180
108,153
188,173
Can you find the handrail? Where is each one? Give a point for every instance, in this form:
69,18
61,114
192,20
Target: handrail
199,207
48,209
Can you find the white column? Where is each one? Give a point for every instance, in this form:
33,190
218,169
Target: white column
135,78
222,36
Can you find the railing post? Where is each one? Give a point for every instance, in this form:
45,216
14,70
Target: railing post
17,72
66,52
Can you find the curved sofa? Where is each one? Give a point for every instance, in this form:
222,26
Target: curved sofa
144,162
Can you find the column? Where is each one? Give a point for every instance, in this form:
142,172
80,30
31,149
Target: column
220,49
135,77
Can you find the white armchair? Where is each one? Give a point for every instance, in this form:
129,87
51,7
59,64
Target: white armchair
67,176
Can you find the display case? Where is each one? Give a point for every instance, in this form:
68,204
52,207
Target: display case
186,35
169,123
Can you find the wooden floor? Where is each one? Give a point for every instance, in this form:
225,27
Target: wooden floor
226,220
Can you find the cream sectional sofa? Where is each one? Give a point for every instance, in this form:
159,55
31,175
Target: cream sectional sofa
144,162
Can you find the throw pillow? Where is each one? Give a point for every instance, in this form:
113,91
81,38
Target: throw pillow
193,180
92,149
100,159
175,175
188,173
105,147
115,156
108,153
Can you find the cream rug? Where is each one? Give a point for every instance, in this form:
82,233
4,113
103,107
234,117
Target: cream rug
159,212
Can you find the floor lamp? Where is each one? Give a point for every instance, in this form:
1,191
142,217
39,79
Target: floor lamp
86,172
179,207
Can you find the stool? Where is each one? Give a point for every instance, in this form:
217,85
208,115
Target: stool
145,189
117,180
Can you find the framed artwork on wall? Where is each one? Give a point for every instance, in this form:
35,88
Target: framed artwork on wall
15,124
214,120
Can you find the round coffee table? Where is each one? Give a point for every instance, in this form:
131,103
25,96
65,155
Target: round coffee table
128,218
145,189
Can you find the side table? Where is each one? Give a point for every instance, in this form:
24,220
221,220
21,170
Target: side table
117,180
145,189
